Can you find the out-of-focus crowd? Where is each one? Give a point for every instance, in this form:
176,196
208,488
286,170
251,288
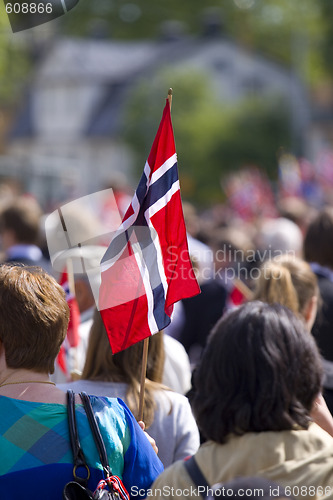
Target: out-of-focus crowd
265,313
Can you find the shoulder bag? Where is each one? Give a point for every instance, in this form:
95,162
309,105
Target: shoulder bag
109,488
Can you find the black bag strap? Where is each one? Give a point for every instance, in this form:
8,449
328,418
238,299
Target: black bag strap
96,433
78,455
113,484
195,473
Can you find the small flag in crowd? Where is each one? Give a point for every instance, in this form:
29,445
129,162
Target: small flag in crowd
238,294
249,194
72,337
147,267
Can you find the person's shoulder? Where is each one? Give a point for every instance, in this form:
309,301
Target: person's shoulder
106,402
318,436
107,407
173,400
213,288
325,285
170,344
112,413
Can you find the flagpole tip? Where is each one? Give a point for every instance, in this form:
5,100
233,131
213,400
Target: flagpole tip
170,97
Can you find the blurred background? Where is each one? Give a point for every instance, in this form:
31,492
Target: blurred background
81,98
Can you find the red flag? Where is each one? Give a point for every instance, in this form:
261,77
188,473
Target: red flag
147,267
61,358
74,317
238,293
236,297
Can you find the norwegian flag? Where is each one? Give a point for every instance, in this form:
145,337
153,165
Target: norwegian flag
147,267
72,337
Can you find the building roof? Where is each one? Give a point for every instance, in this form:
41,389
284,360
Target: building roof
113,67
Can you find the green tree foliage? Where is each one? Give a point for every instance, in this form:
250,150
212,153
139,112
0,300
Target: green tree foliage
211,138
256,134
296,33
326,46
290,32
14,63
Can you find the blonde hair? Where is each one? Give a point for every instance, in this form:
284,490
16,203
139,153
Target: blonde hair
288,281
125,367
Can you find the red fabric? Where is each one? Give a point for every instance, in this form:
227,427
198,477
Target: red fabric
74,316
72,337
236,296
61,359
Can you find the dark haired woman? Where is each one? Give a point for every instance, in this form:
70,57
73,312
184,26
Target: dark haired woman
255,388
290,281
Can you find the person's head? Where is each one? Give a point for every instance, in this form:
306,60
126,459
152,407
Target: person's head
191,218
230,246
260,371
297,210
279,236
289,281
33,317
124,366
20,222
83,292
318,241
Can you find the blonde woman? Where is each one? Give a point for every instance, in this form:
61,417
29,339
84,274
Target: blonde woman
255,386
290,281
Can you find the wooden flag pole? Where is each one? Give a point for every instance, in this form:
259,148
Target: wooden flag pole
143,377
146,341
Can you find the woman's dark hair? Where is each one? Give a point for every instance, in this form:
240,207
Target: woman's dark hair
260,371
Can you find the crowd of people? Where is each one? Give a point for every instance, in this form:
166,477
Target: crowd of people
238,389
